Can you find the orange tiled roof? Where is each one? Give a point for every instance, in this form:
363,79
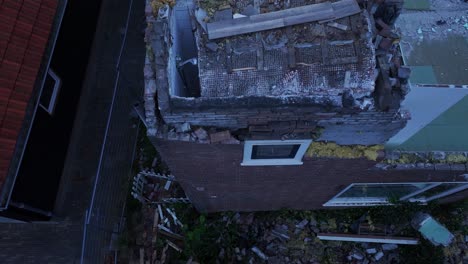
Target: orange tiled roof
25,26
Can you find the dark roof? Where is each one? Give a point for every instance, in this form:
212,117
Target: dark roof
25,26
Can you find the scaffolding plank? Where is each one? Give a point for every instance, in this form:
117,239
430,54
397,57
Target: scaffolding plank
343,8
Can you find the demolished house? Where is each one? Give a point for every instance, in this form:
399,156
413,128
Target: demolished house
263,105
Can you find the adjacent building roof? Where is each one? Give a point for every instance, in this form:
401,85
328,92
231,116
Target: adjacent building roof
25,26
306,58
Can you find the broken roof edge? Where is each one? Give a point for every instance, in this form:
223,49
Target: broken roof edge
156,87
240,102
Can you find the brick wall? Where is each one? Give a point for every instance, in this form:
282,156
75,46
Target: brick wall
213,179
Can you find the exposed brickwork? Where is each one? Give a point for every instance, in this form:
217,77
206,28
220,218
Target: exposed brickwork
225,185
364,128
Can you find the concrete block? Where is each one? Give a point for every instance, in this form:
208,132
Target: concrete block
389,246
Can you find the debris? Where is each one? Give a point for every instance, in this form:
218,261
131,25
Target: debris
161,216
167,185
338,26
280,235
357,256
313,222
368,238
302,224
155,226
379,255
142,256
297,15
237,15
201,133
245,219
155,162
201,16
157,175
371,251
176,200
185,127
163,12
174,246
221,254
404,72
166,231
213,47
174,217
163,254
220,136
259,253
225,14
249,11
389,247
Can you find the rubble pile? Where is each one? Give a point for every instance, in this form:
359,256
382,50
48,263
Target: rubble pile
284,240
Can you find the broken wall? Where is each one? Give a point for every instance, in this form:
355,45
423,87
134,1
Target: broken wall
344,124
341,126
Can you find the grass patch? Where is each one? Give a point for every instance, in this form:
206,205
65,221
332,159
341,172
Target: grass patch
330,149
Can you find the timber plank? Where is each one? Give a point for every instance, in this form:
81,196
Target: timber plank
272,20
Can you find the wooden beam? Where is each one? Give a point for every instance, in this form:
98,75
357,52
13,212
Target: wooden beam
272,20
368,238
167,232
342,9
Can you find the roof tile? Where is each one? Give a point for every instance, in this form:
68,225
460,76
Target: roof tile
24,31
